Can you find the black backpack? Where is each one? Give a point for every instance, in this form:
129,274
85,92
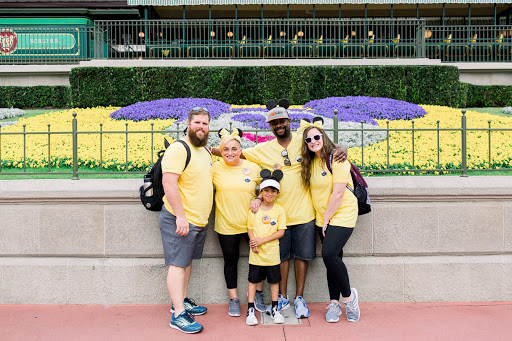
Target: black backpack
360,187
153,181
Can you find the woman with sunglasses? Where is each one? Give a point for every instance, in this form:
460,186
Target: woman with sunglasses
235,182
336,215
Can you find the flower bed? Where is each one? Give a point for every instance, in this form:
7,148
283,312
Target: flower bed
373,154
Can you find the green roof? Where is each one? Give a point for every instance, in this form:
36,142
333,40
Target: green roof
302,2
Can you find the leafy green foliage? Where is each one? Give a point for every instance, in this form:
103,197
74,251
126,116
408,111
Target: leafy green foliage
34,96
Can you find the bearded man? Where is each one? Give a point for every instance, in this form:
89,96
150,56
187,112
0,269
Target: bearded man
187,204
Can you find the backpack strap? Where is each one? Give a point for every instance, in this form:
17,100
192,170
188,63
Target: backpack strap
328,164
187,148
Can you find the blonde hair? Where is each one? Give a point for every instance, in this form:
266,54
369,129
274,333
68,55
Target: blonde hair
227,138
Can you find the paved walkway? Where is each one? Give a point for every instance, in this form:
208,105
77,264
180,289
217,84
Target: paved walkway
379,321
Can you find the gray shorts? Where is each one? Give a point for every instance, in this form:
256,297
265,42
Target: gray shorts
180,250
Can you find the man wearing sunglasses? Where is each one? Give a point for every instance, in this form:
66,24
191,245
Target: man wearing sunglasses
284,153
188,201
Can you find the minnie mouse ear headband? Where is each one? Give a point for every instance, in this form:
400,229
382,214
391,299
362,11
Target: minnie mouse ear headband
271,179
236,134
305,123
276,112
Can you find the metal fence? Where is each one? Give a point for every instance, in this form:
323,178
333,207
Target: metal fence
254,38
75,169
265,38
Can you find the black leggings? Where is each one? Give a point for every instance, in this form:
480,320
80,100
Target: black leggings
332,253
230,245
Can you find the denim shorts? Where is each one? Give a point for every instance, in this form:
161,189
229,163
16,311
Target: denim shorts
300,240
180,250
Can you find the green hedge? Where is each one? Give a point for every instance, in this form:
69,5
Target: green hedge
35,96
119,86
489,96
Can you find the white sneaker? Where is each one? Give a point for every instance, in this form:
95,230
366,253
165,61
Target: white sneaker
251,319
276,316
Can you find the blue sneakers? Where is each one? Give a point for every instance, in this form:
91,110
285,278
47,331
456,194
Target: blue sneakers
301,309
185,323
191,307
283,303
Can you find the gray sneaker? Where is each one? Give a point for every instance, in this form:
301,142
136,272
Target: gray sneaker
234,307
258,302
333,312
352,307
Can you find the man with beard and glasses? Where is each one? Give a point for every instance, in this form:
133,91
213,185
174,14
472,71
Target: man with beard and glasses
284,153
187,204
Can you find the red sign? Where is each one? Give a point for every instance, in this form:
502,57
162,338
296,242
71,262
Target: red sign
8,41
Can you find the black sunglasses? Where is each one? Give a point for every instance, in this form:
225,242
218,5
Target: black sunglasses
314,137
287,161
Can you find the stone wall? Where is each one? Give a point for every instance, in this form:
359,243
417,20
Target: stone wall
91,242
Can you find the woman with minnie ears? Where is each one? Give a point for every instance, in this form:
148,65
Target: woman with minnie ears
336,215
235,181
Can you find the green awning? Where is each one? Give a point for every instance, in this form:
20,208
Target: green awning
302,2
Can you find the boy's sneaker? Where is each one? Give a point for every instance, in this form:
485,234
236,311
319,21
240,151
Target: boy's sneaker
191,307
301,309
251,319
234,307
276,316
333,312
185,323
352,307
282,302
258,302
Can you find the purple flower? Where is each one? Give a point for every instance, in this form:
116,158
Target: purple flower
169,108
359,108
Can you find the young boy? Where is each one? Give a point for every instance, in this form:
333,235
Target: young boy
265,227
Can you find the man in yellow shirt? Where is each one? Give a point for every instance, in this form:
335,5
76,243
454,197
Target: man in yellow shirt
187,204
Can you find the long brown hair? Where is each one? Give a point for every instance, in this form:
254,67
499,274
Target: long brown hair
308,156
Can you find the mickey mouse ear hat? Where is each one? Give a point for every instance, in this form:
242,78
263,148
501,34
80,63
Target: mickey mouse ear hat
276,112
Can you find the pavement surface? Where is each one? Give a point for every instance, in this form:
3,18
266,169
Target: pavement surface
379,321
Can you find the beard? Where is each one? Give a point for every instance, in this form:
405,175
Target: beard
196,141
287,132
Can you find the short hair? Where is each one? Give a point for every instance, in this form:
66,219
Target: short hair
200,111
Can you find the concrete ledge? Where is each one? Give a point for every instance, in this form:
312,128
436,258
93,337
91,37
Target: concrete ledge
142,281
104,218
91,242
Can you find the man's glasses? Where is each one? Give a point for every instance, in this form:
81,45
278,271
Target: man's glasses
200,108
287,161
314,137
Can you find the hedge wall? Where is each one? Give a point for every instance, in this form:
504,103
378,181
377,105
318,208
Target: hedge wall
34,96
119,86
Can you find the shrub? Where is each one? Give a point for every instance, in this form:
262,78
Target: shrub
121,86
34,96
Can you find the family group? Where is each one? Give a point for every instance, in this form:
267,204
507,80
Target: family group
300,195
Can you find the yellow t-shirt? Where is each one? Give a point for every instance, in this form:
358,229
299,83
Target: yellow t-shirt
321,184
294,198
235,188
264,224
195,183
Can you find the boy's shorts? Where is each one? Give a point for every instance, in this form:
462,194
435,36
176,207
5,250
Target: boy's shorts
258,273
180,250
299,239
